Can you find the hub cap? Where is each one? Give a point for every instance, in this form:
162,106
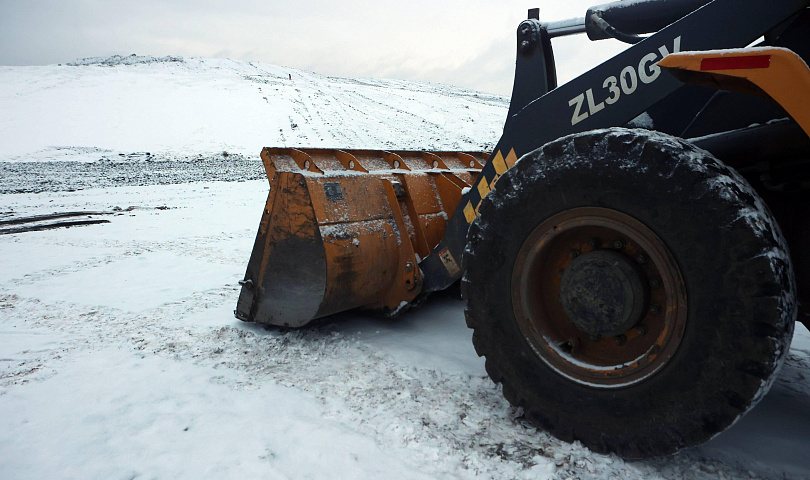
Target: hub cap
602,294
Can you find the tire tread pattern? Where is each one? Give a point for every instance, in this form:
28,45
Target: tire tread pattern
735,262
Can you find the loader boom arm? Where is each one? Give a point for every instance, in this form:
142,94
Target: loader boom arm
610,94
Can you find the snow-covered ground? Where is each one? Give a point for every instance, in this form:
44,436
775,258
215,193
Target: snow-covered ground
119,353
121,358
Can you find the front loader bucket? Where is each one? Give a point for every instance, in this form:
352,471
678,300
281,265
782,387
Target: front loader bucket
345,229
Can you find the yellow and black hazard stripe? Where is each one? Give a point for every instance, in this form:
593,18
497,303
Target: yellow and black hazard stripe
486,181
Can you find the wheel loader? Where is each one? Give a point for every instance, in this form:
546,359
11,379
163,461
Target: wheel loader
633,250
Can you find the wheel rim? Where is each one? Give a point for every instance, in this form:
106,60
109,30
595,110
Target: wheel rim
598,297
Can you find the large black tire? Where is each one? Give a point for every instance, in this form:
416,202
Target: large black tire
728,306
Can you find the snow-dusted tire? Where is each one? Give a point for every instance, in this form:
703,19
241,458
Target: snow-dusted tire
689,239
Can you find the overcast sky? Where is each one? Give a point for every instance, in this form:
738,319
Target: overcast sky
468,43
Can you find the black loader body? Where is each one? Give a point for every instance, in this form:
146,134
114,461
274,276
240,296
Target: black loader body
630,84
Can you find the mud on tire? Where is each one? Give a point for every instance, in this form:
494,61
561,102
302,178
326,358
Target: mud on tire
737,310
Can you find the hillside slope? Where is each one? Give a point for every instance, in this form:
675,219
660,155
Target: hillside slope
175,108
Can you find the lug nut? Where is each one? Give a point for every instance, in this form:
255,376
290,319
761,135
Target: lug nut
595,242
641,330
573,254
641,259
620,340
655,309
655,283
618,244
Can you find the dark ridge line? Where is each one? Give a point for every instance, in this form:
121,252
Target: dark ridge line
51,226
52,216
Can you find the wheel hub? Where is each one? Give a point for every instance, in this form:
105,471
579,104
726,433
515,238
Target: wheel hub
598,297
602,293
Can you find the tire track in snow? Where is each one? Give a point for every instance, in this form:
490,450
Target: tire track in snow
199,247
436,128
451,425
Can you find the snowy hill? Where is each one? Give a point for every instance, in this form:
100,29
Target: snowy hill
173,107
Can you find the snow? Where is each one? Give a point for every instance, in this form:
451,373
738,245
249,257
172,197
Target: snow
179,108
69,422
133,276
100,380
119,353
